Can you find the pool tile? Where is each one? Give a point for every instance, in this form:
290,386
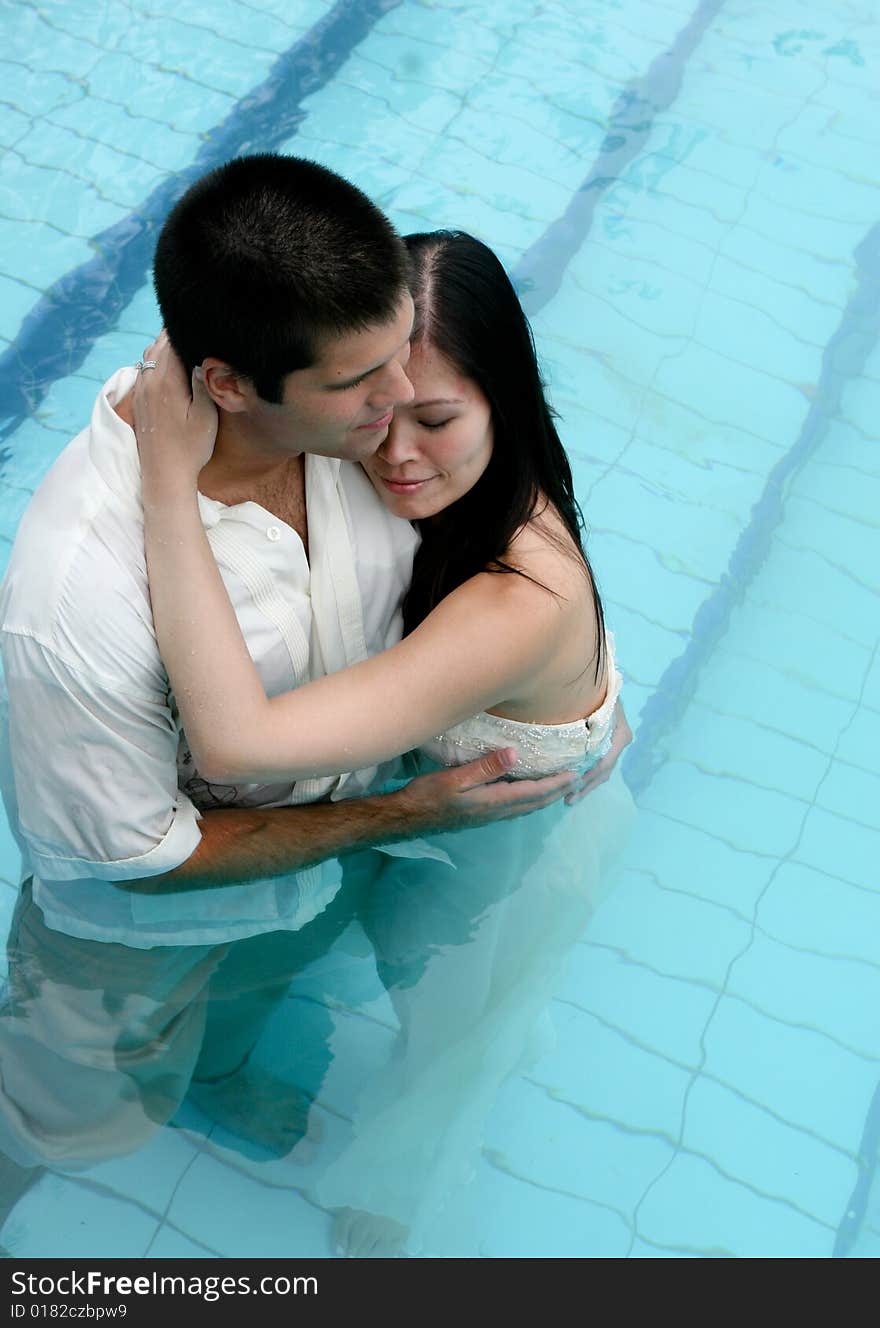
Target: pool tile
674,594
751,1146
704,151
640,234
773,254
472,34
434,64
36,92
548,1145
722,390
686,858
800,311
709,95
115,181
739,749
805,909
359,120
790,642
676,935
859,743
525,1222
599,1071
818,191
661,301
831,996
645,648
149,1176
240,1217
160,145
825,237
16,300
850,793
116,1228
170,1244
847,443
799,581
755,337
30,192
39,44
833,488
723,491
658,1012
468,170
695,1208
796,1072
740,812
842,848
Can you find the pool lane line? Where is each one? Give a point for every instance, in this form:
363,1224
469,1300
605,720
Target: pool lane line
57,334
84,304
540,271
843,359
868,1175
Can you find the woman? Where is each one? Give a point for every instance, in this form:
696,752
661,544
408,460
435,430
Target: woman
504,646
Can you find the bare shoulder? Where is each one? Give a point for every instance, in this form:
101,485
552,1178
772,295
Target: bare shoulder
546,553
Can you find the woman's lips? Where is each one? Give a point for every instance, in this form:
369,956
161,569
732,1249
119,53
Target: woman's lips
406,486
382,423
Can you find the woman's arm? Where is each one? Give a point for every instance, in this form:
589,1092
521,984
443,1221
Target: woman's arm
475,650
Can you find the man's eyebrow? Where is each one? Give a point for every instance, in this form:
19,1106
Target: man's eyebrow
350,382
365,373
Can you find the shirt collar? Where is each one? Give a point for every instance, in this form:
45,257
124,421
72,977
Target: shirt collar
114,454
112,444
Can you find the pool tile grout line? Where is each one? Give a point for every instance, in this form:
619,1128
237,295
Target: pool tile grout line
844,358
539,272
85,304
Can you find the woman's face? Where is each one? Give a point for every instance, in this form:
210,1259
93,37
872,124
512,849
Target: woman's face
437,446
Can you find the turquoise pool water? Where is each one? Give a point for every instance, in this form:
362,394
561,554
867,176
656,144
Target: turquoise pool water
686,194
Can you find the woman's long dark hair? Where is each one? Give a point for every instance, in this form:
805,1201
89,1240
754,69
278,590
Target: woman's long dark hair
468,310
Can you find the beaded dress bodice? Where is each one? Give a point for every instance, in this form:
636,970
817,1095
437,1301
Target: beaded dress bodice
544,749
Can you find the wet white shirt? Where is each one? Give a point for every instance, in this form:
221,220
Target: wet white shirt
99,784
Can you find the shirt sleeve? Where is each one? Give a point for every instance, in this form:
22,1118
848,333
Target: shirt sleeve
94,767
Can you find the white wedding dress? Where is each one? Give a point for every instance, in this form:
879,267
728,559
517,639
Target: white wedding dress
471,956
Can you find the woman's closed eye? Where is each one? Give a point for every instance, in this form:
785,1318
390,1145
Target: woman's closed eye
434,424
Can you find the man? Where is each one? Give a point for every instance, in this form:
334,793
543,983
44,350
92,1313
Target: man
161,918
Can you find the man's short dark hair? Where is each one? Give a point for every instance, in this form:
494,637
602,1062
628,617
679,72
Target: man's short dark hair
267,256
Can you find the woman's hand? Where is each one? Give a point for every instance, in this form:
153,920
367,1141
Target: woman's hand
175,421
603,769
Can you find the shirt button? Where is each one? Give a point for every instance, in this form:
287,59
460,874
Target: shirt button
273,533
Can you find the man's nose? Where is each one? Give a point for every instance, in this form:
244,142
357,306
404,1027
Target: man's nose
393,388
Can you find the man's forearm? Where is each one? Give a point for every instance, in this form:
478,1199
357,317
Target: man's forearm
241,844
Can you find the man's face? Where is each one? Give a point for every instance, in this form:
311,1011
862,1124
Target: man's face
342,405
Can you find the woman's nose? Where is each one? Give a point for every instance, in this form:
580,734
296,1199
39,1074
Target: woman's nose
398,446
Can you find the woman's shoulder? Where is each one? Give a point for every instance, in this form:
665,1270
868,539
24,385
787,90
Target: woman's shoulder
545,551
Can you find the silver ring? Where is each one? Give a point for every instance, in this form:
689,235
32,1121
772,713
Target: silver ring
146,364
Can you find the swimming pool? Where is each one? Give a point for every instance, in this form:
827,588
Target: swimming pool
683,193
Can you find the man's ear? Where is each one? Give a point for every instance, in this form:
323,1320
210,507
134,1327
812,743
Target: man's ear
227,389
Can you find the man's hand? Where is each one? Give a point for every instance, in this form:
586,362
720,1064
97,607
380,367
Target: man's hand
242,844
465,796
602,769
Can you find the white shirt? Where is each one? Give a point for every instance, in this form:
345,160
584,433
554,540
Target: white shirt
99,783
